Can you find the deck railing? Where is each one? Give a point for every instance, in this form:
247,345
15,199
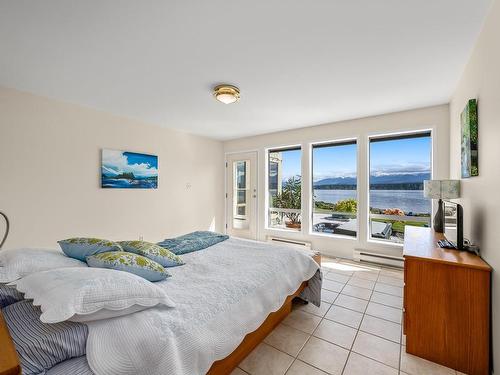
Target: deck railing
277,219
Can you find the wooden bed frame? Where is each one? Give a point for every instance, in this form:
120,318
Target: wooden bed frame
228,364
9,361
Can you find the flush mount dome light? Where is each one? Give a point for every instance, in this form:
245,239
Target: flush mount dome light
227,94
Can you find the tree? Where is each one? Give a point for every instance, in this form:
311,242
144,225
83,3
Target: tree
290,197
346,205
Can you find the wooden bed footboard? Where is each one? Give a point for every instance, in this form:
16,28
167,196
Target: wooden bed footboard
9,361
250,342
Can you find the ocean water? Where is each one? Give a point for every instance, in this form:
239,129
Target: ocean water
107,182
406,200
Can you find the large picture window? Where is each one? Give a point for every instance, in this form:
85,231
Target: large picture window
285,188
398,167
335,200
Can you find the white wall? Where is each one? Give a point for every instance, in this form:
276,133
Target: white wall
481,199
50,175
435,118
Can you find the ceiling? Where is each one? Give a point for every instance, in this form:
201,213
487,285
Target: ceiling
298,63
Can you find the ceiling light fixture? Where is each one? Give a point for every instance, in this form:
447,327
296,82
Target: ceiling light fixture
227,94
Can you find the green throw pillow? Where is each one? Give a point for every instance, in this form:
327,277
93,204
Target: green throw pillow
129,262
81,247
152,251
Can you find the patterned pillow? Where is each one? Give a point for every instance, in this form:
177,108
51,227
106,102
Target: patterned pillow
9,295
152,251
129,262
41,346
81,248
73,366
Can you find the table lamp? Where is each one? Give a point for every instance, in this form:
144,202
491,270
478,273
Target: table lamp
441,189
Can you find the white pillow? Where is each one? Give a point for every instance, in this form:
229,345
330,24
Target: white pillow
86,294
17,263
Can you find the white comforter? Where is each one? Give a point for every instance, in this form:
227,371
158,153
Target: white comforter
221,294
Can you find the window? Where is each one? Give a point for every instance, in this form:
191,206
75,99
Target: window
398,166
284,187
334,181
241,193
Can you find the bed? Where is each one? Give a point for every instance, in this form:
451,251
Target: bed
228,298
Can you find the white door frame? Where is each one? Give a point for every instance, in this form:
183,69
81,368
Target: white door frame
226,195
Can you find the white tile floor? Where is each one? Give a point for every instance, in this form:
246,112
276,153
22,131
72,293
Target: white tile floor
356,331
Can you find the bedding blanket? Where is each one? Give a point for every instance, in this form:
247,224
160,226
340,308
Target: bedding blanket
221,294
194,241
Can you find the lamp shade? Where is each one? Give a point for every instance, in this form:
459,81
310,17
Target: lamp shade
450,189
442,189
432,189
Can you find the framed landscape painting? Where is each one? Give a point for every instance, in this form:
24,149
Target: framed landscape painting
469,148
128,170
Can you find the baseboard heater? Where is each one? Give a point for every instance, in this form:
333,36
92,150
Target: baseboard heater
286,241
370,257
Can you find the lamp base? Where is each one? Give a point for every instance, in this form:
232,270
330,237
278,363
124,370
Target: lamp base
439,218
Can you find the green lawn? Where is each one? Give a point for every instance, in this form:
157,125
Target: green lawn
399,226
322,211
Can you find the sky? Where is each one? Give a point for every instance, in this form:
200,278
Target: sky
135,158
291,163
402,156
337,161
115,162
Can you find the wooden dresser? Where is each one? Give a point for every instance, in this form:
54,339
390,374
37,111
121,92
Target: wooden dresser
446,303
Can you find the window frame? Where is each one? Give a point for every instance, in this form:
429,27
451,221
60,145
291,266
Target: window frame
282,148
387,136
332,142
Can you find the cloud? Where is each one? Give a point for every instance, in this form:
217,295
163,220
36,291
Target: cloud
333,174
408,168
379,170
115,161
109,170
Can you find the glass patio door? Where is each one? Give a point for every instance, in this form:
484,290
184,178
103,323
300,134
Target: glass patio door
241,195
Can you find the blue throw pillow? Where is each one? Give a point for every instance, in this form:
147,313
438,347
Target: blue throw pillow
80,248
152,251
129,262
194,241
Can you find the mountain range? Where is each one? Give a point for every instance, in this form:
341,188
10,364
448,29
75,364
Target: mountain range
377,180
